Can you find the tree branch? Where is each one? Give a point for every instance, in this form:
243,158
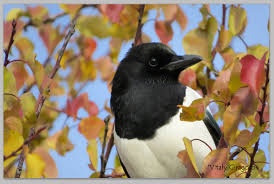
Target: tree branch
7,51
103,159
71,31
22,156
138,36
261,113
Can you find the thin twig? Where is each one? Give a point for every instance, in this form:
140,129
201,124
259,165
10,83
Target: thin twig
261,113
202,142
27,141
138,36
22,156
235,153
244,42
103,161
7,51
71,31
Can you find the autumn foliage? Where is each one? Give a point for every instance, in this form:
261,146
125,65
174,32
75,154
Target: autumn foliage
239,91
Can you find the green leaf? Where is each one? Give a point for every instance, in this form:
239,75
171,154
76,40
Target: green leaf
237,20
9,82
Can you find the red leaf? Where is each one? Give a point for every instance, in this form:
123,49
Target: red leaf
81,101
188,78
112,11
164,31
253,72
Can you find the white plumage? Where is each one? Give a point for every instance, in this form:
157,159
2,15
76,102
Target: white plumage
157,157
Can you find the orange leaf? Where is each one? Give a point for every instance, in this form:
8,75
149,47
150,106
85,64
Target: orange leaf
90,46
90,127
106,67
164,31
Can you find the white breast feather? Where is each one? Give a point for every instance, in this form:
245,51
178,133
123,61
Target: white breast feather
157,157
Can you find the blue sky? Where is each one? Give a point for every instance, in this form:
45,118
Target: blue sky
75,163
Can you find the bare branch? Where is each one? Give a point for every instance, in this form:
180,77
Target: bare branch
22,156
138,36
7,51
103,161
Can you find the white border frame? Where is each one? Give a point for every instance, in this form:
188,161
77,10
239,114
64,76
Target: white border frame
124,180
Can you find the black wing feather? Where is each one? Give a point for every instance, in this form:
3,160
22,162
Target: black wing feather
212,127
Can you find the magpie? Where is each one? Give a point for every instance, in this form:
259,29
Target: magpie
148,132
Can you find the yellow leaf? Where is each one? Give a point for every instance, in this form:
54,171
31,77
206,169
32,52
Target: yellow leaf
28,102
25,48
190,152
93,154
50,170
235,82
14,14
9,82
224,39
93,26
71,9
12,141
63,143
14,123
232,167
237,20
199,41
35,166
88,70
258,51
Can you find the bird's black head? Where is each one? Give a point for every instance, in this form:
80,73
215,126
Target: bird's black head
156,59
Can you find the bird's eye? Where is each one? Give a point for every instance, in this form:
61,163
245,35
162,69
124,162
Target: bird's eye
153,62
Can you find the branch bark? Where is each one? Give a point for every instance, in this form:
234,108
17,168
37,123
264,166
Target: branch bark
22,156
7,51
138,36
102,157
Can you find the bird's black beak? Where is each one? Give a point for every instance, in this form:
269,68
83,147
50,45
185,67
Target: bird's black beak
182,62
